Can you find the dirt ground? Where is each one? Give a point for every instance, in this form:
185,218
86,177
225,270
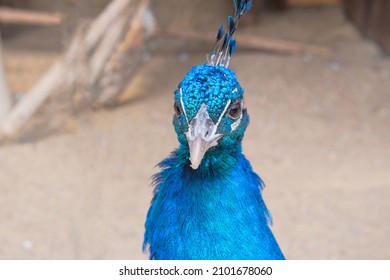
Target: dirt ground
319,137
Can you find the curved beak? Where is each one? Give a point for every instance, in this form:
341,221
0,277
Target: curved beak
201,136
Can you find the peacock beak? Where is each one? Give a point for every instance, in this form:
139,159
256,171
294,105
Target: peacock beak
201,136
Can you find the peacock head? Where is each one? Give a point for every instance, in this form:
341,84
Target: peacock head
209,105
209,111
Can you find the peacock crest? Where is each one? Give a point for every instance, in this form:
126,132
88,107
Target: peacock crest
225,43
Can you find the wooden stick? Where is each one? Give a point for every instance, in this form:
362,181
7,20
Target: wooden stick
18,16
23,110
5,96
105,48
121,66
257,43
133,36
100,25
104,34
281,46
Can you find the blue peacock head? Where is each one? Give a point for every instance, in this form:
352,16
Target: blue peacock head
209,105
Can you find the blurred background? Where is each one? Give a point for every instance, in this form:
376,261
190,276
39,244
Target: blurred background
86,107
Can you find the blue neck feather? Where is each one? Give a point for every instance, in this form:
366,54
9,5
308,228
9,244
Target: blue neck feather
213,212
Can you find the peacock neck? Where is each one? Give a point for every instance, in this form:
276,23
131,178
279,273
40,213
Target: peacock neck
209,212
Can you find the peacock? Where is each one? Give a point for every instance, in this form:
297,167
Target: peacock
207,202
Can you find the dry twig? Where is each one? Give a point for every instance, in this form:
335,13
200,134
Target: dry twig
256,43
18,16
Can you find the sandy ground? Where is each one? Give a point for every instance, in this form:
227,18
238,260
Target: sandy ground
319,136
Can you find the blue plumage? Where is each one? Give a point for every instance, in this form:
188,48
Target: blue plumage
209,213
207,200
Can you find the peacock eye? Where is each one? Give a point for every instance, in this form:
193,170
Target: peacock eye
177,109
235,110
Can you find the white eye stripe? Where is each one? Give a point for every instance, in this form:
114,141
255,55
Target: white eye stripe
224,111
234,125
182,106
221,116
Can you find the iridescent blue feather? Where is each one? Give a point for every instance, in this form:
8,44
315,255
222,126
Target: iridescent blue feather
195,217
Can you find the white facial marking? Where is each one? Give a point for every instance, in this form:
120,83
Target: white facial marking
223,113
182,106
234,125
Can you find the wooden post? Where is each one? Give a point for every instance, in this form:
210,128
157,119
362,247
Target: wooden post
372,19
5,96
